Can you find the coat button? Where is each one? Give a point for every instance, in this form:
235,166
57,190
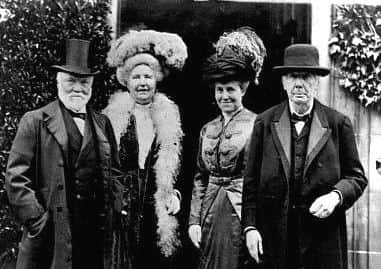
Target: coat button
225,152
60,163
78,196
210,153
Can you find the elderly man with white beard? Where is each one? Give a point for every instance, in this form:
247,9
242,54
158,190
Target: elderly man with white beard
61,173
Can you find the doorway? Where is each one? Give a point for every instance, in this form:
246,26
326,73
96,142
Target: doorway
200,23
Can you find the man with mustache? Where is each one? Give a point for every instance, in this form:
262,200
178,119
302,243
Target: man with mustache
61,173
303,172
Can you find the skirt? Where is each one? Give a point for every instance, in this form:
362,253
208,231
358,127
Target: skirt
221,239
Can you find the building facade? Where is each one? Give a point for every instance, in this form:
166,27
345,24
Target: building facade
279,23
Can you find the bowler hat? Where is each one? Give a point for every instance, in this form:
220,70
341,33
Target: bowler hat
77,52
301,57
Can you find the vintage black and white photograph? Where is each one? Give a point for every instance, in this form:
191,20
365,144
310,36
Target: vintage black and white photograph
190,134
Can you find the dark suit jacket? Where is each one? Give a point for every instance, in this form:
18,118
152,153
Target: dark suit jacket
332,162
35,183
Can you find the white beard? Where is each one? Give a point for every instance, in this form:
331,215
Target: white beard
75,104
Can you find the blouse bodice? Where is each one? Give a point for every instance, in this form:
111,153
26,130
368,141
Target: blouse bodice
145,131
223,146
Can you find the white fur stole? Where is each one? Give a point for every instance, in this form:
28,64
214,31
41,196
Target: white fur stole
167,125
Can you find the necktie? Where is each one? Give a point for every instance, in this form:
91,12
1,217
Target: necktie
78,115
296,118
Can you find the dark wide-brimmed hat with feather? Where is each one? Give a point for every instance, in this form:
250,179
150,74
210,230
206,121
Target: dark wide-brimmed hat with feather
239,56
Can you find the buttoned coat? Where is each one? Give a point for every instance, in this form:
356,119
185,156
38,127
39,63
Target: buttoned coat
331,163
35,183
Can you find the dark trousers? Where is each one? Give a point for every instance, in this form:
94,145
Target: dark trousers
293,253
86,239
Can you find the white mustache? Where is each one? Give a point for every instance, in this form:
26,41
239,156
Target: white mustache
298,90
77,95
79,92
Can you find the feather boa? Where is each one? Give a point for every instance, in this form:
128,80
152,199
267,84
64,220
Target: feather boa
166,119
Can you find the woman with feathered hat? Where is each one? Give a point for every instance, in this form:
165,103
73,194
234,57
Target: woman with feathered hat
148,131
214,224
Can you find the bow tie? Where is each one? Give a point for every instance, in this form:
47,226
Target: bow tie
78,115
296,118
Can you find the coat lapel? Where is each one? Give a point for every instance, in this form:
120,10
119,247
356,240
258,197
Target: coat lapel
87,141
319,134
281,131
103,143
55,123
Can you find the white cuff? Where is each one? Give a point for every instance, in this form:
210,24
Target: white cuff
340,196
248,228
178,194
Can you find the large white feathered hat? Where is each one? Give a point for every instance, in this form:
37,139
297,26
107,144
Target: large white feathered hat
160,50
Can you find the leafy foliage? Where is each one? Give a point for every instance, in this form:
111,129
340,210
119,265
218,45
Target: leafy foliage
32,36
355,48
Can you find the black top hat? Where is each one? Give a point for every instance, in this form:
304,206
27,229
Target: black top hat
301,57
77,51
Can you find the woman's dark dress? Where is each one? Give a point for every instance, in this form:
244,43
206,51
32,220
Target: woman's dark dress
216,199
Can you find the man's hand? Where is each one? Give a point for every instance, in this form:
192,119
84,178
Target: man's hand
35,225
173,205
254,244
194,233
324,205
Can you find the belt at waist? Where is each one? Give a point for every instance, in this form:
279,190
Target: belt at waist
219,180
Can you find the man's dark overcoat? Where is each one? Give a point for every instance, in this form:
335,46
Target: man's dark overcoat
331,162
35,182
